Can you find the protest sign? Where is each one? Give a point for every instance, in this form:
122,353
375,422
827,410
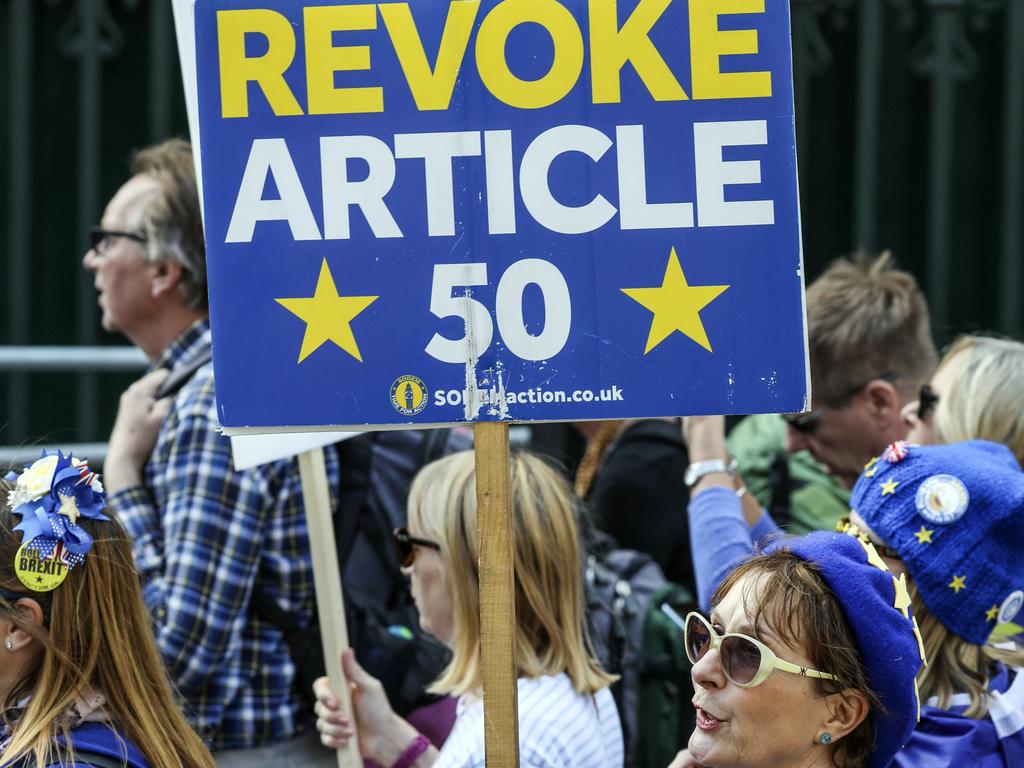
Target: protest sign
496,211
435,213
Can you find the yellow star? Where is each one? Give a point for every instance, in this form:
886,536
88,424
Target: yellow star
902,601
676,305
870,464
889,487
958,583
924,536
327,315
992,613
920,641
870,472
69,508
874,558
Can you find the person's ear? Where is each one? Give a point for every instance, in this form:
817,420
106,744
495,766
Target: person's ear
14,637
166,277
846,710
883,401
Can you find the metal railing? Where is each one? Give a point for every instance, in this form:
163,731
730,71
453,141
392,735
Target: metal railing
90,359
73,359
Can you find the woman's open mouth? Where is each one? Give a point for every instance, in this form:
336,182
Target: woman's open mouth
705,721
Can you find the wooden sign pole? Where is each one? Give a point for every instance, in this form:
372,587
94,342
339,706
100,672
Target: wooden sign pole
330,604
497,595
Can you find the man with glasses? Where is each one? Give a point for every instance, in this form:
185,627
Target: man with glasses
206,537
870,351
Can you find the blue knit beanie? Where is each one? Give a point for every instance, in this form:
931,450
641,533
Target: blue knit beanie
877,608
955,515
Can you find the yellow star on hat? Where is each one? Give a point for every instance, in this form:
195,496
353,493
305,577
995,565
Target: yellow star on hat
889,487
870,472
958,583
328,316
902,602
924,536
676,305
870,464
992,613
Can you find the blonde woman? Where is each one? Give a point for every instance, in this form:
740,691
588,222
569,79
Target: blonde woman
81,681
567,717
976,393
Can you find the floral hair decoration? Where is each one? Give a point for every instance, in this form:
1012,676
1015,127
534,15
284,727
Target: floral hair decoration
52,495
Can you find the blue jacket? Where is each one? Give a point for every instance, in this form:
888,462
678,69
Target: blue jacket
100,739
946,739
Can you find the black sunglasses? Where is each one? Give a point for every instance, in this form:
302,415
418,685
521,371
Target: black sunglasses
806,422
97,235
927,399
405,545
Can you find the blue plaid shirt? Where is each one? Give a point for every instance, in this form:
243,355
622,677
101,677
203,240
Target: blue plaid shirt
204,537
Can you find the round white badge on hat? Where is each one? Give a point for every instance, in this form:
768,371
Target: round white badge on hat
1011,607
942,499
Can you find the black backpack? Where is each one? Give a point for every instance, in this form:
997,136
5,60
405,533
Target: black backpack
377,469
635,638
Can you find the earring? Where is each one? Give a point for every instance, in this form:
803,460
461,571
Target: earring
9,645
825,738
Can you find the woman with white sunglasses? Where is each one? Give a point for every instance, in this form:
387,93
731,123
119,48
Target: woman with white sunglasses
808,659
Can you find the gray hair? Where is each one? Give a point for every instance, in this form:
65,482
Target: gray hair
172,220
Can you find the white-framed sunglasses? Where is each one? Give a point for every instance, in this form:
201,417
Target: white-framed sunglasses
746,661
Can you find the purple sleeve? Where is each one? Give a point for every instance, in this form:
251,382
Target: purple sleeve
720,538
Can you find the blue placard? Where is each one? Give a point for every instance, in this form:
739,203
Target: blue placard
434,212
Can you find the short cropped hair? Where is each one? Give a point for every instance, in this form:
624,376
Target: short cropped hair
171,218
797,606
550,633
866,320
986,400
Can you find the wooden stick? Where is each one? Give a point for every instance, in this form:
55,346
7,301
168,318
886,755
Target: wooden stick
330,604
497,591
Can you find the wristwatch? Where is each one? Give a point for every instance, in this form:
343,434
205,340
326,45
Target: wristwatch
699,469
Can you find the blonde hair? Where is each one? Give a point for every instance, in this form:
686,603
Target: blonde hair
95,636
597,446
550,635
986,400
866,319
954,664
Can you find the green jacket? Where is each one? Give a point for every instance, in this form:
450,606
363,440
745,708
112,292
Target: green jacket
815,500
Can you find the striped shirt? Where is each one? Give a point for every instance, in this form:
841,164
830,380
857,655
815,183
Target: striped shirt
558,728
204,536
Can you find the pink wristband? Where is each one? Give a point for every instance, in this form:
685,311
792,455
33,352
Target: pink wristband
416,747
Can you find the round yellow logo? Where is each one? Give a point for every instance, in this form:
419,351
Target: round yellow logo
409,395
36,574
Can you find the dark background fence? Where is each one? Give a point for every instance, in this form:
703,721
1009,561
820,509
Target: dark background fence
910,133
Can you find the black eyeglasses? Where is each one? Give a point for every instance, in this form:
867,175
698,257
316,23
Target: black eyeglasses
806,422
98,235
405,545
927,399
